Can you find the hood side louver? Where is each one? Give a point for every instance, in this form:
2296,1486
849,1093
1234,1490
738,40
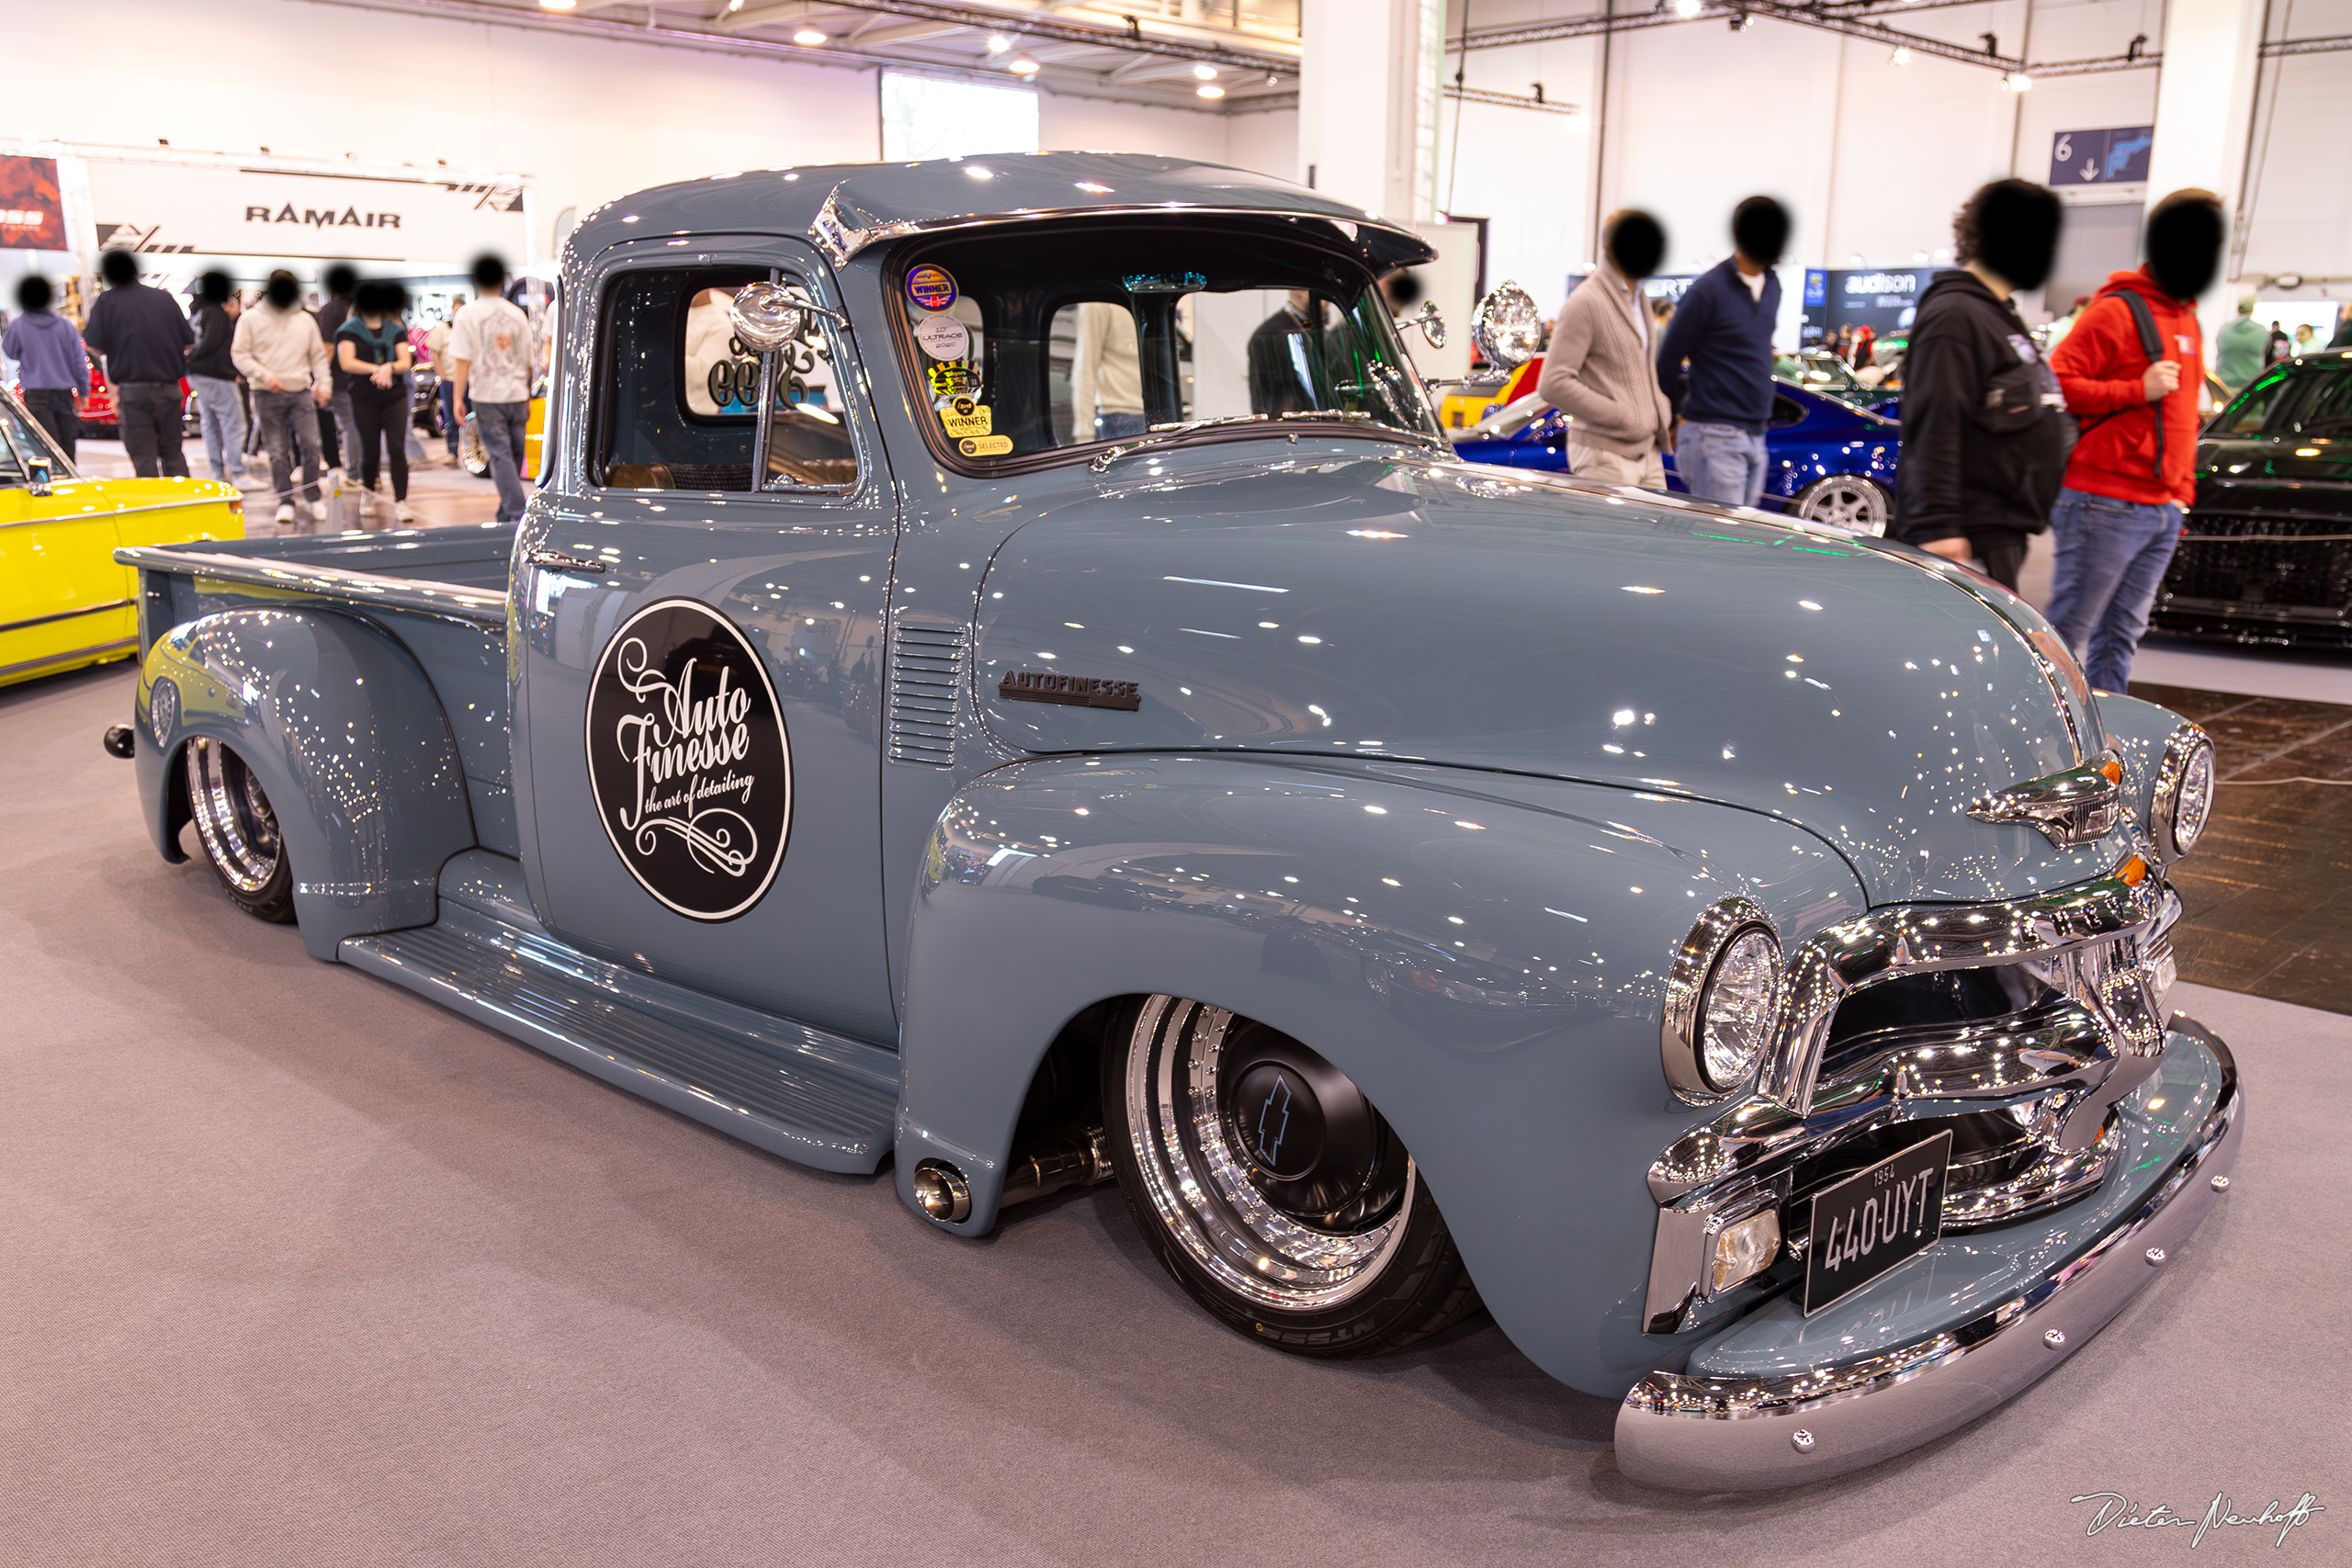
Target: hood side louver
926,666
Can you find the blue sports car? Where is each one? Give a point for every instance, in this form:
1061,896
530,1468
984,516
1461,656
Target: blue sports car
1830,461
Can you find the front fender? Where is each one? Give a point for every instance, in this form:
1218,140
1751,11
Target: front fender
345,732
1484,953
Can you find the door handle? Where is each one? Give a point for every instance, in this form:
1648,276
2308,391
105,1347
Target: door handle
556,560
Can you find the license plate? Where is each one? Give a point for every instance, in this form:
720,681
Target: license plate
1873,1220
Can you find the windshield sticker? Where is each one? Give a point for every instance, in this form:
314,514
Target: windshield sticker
688,760
962,416
943,337
1164,282
985,445
955,377
933,288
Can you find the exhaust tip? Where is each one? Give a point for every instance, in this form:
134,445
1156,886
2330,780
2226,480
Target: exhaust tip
944,1193
121,740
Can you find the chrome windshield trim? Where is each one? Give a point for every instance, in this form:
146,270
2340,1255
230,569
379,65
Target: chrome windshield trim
1912,939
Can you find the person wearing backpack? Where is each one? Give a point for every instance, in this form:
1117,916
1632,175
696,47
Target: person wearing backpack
1984,434
2131,370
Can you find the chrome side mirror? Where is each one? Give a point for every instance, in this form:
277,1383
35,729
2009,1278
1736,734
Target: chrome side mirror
37,477
1507,327
765,316
1427,317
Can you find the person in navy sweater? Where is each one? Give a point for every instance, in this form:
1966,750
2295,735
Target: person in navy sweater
1723,331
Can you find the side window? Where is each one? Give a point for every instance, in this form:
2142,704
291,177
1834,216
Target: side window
2255,406
679,406
2328,411
19,446
1786,412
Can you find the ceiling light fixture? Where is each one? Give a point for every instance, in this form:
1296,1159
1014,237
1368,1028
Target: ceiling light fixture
1206,72
1209,90
1022,65
2018,82
999,44
1902,55
808,38
558,5
1689,7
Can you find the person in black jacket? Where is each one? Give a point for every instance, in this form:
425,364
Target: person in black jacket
1984,436
214,379
141,335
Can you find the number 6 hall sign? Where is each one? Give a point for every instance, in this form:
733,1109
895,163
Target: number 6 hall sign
2116,156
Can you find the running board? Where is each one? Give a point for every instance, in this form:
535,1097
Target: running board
799,1092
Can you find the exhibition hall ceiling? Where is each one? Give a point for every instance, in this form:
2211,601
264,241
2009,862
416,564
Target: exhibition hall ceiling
1199,54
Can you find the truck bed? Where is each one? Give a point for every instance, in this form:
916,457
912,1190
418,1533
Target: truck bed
440,592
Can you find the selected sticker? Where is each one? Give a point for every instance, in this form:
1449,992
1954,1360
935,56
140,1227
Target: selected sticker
943,337
962,416
933,288
688,760
985,445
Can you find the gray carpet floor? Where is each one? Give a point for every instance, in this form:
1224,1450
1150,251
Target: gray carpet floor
298,1269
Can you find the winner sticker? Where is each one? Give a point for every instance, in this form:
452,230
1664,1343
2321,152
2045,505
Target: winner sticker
942,337
962,416
933,288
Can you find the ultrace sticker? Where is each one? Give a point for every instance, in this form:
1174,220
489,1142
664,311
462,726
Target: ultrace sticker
985,445
933,288
962,416
943,337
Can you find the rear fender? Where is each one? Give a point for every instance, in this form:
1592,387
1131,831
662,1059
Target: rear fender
1483,954
344,731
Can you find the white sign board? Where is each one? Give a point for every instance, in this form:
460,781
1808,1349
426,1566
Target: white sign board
182,208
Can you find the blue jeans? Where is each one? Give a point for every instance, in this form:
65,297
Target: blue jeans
223,418
501,427
1722,463
447,391
2111,559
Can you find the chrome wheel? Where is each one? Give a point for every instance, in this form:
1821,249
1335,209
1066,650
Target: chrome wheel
1265,1164
1847,500
238,829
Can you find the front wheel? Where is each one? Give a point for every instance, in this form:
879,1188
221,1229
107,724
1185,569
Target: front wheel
238,831
1271,1188
1848,501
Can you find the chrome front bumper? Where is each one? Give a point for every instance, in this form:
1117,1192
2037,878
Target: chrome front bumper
1722,1434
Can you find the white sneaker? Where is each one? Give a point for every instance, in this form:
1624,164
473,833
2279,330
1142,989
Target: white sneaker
285,514
367,502
402,513
249,482
318,513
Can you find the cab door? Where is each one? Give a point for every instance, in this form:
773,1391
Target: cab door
62,596
701,605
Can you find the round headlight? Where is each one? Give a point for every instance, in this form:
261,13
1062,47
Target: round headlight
1738,1008
2184,801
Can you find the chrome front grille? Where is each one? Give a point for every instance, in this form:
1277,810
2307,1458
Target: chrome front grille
926,667
2016,1026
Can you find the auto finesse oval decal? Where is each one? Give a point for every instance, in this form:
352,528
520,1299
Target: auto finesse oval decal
688,760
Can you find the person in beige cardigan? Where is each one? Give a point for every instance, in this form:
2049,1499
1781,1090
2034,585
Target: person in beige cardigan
1602,369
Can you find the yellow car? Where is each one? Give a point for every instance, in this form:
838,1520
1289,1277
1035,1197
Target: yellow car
64,602
476,460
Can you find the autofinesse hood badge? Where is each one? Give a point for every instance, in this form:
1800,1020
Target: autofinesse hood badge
2076,806
1071,691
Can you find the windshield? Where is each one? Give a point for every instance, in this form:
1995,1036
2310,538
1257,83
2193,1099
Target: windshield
1024,341
24,443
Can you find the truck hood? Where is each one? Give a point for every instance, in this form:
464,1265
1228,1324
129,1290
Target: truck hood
1406,607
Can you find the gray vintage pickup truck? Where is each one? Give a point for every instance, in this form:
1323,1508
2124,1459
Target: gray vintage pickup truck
1729,949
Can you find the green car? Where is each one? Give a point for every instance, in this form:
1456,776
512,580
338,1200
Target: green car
1819,370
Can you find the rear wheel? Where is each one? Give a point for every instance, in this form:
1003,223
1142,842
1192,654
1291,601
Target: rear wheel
1271,1188
1848,501
239,831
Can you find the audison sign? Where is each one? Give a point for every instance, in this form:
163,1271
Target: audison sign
181,209
688,760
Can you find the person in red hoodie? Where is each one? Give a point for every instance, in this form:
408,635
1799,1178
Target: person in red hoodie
2130,372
